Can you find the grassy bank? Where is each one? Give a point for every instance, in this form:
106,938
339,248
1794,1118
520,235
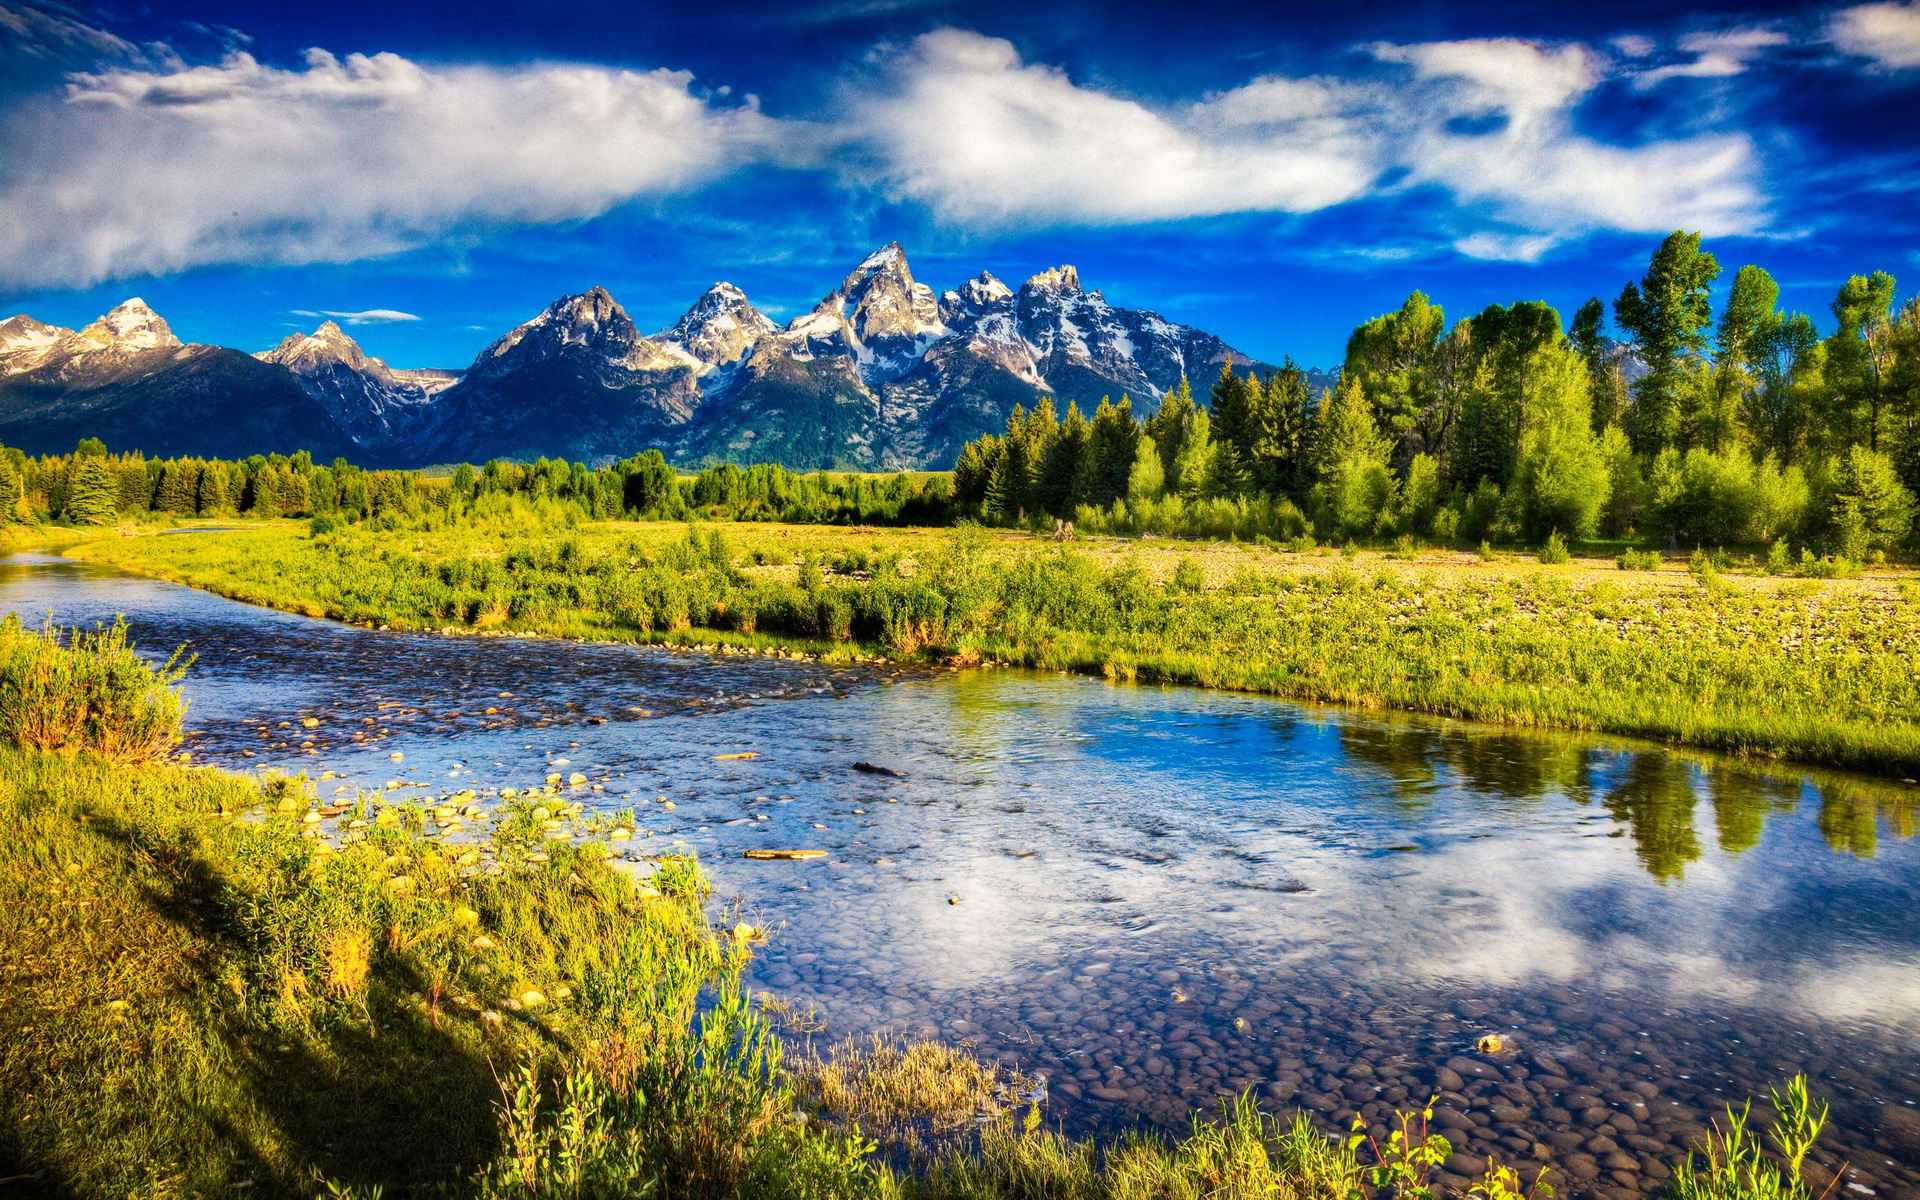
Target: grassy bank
1812,670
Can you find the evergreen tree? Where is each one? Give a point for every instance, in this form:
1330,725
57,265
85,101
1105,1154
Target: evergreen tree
132,487
13,508
1147,480
973,470
1666,315
1355,485
92,497
1870,509
1231,403
1060,464
1608,387
1112,437
1282,423
1168,426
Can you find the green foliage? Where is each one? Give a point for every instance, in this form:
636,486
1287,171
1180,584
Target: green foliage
1561,481
1553,551
1735,1164
1868,507
1639,560
1667,315
79,690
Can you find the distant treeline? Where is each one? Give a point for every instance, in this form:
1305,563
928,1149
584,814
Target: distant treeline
94,487
1748,428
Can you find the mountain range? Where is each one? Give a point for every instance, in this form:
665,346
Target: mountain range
882,374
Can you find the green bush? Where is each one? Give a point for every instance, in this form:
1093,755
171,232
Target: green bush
80,690
1553,551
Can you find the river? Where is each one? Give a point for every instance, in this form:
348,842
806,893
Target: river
1157,897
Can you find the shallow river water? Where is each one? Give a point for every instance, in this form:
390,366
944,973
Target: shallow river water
1159,897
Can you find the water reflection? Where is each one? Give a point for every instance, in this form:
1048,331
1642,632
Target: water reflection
1161,895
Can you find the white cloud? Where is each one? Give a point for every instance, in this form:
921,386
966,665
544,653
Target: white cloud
962,123
1715,55
1504,247
371,316
1522,158
1525,79
1887,33
146,171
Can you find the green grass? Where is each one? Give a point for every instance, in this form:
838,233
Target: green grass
1815,671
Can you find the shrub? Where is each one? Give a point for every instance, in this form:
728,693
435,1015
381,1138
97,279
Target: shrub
1554,551
87,691
1639,560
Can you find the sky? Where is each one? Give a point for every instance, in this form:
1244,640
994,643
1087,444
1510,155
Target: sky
431,176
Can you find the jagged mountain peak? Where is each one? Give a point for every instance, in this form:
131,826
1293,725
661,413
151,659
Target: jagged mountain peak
303,353
880,305
720,328
1064,278
22,332
973,299
130,325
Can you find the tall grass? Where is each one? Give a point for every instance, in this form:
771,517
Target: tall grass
1818,672
63,690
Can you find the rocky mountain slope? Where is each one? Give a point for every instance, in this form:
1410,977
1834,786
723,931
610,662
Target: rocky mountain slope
883,373
128,380
381,409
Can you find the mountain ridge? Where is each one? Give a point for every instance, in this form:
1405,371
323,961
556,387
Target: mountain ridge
883,373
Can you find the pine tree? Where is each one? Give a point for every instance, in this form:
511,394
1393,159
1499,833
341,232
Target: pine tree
92,496
1231,403
13,509
1192,476
1667,315
1147,480
1060,465
1168,426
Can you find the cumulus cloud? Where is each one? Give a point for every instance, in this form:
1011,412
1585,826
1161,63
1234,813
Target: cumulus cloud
137,171
964,124
371,316
1887,33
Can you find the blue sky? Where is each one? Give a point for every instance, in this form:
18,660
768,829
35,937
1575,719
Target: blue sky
1272,174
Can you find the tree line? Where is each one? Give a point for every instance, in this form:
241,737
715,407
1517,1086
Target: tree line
92,486
1690,427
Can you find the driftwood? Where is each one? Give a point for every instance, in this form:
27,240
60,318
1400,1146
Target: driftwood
765,854
872,769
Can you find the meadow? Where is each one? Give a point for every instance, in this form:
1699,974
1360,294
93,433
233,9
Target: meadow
1692,652
217,983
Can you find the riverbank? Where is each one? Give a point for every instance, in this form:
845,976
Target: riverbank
1808,670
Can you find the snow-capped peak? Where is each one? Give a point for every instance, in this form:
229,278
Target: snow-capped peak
131,325
720,328
22,332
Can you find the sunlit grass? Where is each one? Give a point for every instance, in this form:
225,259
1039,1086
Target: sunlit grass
1813,670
